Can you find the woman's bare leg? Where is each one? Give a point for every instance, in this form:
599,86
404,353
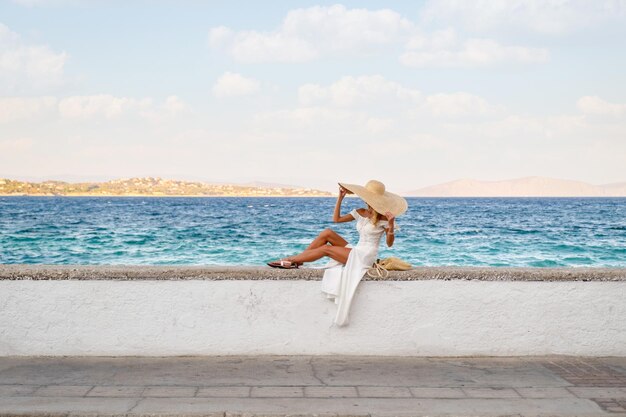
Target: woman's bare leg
337,253
319,248
327,236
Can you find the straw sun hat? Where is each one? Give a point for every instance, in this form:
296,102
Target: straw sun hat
375,195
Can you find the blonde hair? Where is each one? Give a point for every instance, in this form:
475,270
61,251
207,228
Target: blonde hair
375,216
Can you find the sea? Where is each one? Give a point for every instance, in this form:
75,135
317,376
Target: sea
498,232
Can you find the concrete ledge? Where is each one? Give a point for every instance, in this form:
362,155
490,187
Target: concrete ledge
217,273
256,316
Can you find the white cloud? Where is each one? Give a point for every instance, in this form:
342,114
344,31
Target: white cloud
219,35
170,109
318,32
16,108
458,104
233,85
302,116
312,93
102,105
306,34
442,49
379,124
373,107
346,29
174,105
377,95
439,39
411,144
273,47
543,16
20,61
351,91
597,106
366,109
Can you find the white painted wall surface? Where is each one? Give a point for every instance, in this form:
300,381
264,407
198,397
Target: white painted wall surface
197,317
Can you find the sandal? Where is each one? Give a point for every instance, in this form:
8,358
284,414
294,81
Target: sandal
284,264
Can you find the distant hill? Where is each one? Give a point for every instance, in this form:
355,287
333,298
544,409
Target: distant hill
520,187
150,186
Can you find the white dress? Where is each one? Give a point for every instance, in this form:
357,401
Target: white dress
340,281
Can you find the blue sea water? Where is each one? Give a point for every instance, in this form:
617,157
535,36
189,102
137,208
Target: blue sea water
540,232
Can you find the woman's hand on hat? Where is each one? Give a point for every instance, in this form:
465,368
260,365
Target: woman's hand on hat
390,217
342,192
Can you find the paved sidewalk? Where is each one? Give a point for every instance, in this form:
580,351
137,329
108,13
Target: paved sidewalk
314,385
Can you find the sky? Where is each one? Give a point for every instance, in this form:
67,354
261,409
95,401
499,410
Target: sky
411,93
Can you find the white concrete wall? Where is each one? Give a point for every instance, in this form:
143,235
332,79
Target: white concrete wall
429,317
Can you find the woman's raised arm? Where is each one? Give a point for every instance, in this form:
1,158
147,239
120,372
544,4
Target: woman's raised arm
337,217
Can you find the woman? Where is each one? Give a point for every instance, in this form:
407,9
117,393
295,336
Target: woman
348,264
371,225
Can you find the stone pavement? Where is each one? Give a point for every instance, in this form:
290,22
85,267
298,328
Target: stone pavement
314,385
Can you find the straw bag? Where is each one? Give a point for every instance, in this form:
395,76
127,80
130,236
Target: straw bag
395,264
382,267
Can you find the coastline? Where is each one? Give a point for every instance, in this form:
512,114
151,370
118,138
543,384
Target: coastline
160,196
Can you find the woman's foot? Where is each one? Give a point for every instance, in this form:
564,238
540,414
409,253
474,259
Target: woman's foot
284,264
